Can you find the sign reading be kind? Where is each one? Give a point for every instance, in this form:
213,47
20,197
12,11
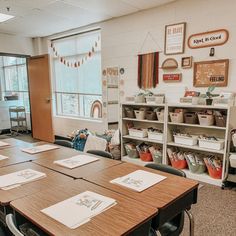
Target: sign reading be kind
208,39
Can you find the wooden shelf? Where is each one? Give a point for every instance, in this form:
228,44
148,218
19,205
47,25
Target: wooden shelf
136,161
198,126
143,104
203,178
146,121
196,147
143,139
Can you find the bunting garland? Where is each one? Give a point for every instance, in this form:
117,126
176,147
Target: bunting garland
75,64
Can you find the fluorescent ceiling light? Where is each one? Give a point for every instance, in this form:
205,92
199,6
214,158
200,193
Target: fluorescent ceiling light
5,17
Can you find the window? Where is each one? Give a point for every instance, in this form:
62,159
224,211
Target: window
14,79
77,86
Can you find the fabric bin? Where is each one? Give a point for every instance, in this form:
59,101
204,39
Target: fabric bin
150,99
160,116
221,121
129,99
157,158
129,112
179,164
139,99
151,115
177,117
211,144
191,141
206,120
196,168
190,118
232,159
215,173
155,136
140,115
145,156
131,152
138,133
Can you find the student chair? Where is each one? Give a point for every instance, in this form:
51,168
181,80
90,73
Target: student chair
10,221
175,226
100,153
65,143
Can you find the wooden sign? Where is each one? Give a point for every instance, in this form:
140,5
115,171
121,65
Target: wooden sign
175,38
208,39
211,73
169,63
172,77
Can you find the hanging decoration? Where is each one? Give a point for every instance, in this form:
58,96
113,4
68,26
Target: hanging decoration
75,64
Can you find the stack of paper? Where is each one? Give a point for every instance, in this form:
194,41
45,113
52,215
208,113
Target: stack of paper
79,209
4,144
18,178
38,149
3,157
76,161
139,180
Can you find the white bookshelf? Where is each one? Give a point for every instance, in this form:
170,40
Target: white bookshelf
168,141
136,161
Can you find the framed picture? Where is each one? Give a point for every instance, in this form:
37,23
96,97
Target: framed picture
211,73
175,38
186,62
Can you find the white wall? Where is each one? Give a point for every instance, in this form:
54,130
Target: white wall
123,37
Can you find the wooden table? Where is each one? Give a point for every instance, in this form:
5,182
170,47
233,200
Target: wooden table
124,218
46,159
170,196
17,143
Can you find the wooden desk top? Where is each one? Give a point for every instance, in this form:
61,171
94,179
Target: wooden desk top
16,143
159,195
46,159
118,220
53,179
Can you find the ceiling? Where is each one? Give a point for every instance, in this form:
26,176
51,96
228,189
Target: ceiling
38,18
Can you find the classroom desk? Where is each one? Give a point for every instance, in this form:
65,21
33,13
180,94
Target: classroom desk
46,159
125,218
16,143
6,196
170,196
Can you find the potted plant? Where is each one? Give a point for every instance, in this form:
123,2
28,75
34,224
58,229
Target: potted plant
209,95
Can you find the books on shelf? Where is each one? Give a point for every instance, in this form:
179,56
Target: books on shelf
4,144
78,210
76,161
138,180
40,148
18,178
3,157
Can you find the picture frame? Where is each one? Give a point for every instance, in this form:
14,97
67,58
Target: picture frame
175,38
186,62
211,73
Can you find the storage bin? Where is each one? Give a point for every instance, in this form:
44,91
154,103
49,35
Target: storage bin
140,115
138,133
206,120
160,116
155,136
196,167
129,112
131,151
160,99
211,144
221,121
215,173
157,157
151,115
139,99
150,99
177,117
184,140
232,159
145,156
129,99
190,118
234,139
179,164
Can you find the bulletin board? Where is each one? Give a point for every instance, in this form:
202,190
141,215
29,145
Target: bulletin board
211,73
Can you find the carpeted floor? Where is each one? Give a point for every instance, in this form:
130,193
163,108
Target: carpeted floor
215,212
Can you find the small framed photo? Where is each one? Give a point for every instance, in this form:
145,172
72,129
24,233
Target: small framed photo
175,38
186,62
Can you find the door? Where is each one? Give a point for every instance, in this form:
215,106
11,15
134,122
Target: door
40,98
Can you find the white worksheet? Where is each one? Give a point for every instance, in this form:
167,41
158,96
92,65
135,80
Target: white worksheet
76,161
79,209
138,180
40,148
3,157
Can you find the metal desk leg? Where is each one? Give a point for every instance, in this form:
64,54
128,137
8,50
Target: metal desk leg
191,222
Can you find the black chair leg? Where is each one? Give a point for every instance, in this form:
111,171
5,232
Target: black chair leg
191,222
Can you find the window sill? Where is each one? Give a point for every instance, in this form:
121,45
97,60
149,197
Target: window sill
79,118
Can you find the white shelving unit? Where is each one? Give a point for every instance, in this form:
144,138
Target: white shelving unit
168,141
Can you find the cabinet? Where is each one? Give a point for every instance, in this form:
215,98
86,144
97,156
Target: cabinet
18,119
169,128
